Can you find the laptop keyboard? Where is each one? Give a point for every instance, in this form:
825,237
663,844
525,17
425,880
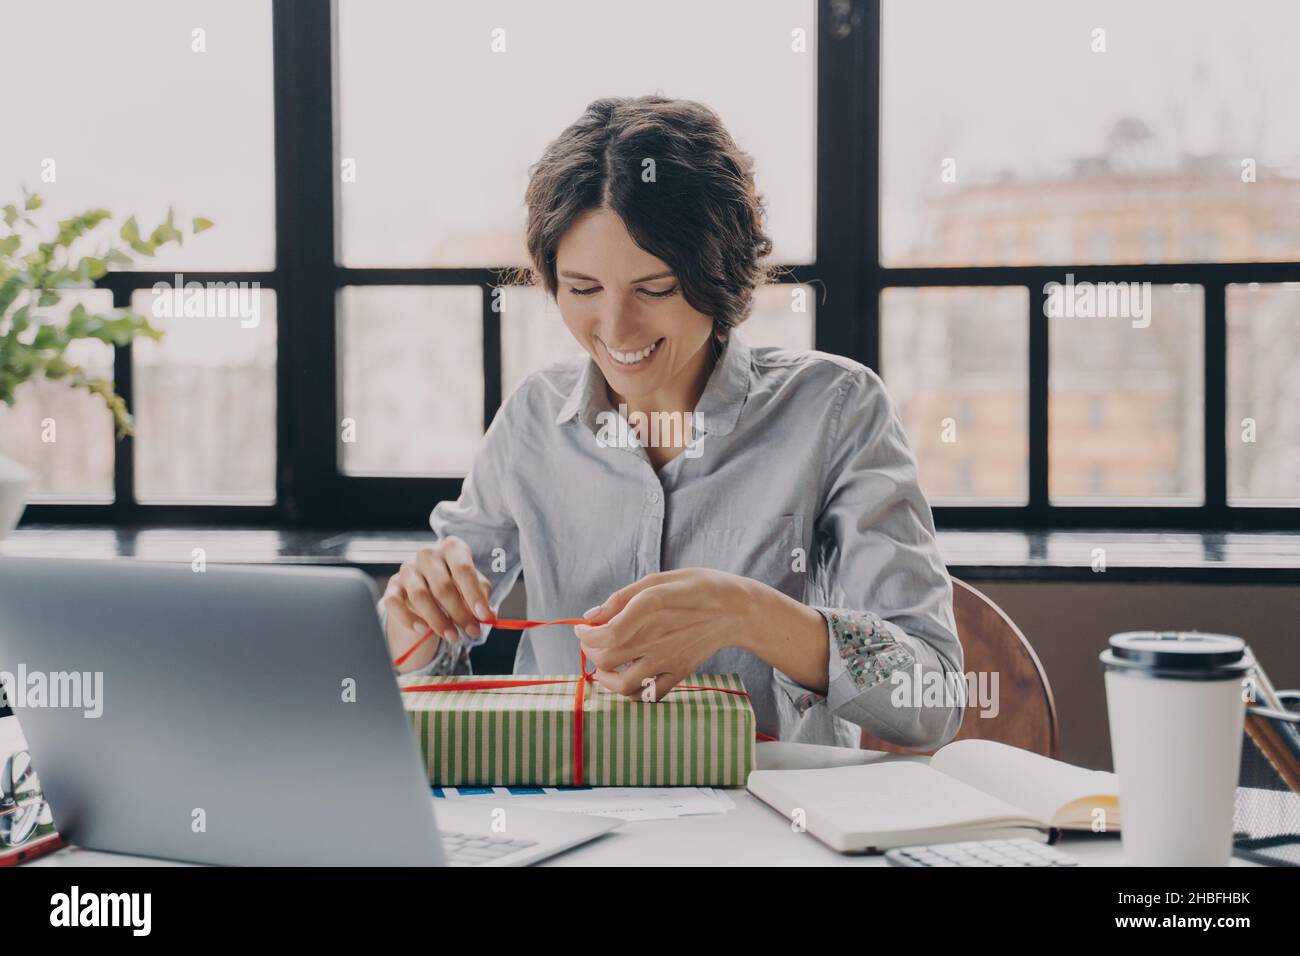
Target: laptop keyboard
474,849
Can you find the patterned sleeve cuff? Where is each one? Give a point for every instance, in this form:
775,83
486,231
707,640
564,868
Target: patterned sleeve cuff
863,648
450,658
454,658
865,654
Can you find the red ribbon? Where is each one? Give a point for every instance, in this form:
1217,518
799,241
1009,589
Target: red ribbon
509,623
579,697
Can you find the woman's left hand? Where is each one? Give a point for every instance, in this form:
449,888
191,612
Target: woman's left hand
663,627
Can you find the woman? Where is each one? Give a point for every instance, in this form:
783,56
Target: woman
777,531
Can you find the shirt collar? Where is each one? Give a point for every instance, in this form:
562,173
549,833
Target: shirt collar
718,409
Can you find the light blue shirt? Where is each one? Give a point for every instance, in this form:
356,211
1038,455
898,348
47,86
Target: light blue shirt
799,476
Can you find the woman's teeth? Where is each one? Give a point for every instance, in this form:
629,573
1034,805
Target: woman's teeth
631,358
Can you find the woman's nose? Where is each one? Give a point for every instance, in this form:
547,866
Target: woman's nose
619,323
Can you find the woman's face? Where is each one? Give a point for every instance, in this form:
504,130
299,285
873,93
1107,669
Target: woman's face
625,307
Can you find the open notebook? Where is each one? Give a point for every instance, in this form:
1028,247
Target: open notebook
971,790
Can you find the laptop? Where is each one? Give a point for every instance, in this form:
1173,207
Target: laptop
236,715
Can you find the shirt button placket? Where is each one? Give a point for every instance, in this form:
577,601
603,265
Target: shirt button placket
654,528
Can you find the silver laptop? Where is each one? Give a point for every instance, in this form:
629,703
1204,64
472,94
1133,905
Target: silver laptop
243,716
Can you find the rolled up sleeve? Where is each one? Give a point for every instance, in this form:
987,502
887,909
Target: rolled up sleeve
881,585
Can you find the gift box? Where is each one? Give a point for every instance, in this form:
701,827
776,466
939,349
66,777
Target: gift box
561,730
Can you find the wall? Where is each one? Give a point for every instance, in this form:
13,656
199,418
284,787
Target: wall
1068,625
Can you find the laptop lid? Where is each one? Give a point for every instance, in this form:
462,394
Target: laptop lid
235,715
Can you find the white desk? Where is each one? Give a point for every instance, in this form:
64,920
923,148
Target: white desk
751,835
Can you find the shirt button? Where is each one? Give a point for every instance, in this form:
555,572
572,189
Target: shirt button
654,497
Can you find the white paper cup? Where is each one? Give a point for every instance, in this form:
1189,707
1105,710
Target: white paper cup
1177,710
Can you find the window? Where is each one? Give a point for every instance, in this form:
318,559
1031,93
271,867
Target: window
1068,239
1263,427
956,363
532,335
411,402
64,436
1098,133
162,107
1127,398
784,316
205,398
158,105
1103,161
416,77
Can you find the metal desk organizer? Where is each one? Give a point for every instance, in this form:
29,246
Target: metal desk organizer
1266,810
25,818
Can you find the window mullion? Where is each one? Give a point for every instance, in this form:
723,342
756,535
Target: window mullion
1216,400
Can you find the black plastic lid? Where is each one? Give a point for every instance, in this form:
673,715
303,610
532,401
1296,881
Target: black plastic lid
1178,655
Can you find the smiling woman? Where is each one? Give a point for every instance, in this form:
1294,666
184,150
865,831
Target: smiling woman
609,204
793,547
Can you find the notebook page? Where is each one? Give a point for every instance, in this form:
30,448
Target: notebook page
881,799
1041,786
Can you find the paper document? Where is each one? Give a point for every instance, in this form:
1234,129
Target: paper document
624,803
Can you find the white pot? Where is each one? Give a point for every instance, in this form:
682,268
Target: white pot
14,481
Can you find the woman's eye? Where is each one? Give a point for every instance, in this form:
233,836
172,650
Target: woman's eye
660,295
592,291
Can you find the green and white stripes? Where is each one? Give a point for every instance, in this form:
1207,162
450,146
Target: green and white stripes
523,736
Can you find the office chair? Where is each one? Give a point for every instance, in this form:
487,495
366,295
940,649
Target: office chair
992,643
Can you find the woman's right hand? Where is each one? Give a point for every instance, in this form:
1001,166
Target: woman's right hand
438,590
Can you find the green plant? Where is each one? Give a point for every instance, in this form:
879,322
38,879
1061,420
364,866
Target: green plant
34,272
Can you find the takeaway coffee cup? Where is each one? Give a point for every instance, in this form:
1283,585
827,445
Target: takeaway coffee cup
1177,708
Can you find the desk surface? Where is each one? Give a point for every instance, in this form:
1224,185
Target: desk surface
751,835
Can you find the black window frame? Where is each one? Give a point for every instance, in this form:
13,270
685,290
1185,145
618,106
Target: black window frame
311,490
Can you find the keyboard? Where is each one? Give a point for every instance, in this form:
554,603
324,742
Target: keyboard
1020,852
475,849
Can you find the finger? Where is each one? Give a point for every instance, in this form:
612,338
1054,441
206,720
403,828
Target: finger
466,579
624,628
663,683
631,681
420,599
400,613
475,589
618,600
410,641
484,608
606,654
433,563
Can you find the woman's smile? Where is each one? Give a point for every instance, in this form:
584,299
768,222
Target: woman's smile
632,360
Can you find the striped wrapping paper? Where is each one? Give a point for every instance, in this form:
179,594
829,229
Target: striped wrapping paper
523,736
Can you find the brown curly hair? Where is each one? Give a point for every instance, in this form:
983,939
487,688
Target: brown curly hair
700,214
